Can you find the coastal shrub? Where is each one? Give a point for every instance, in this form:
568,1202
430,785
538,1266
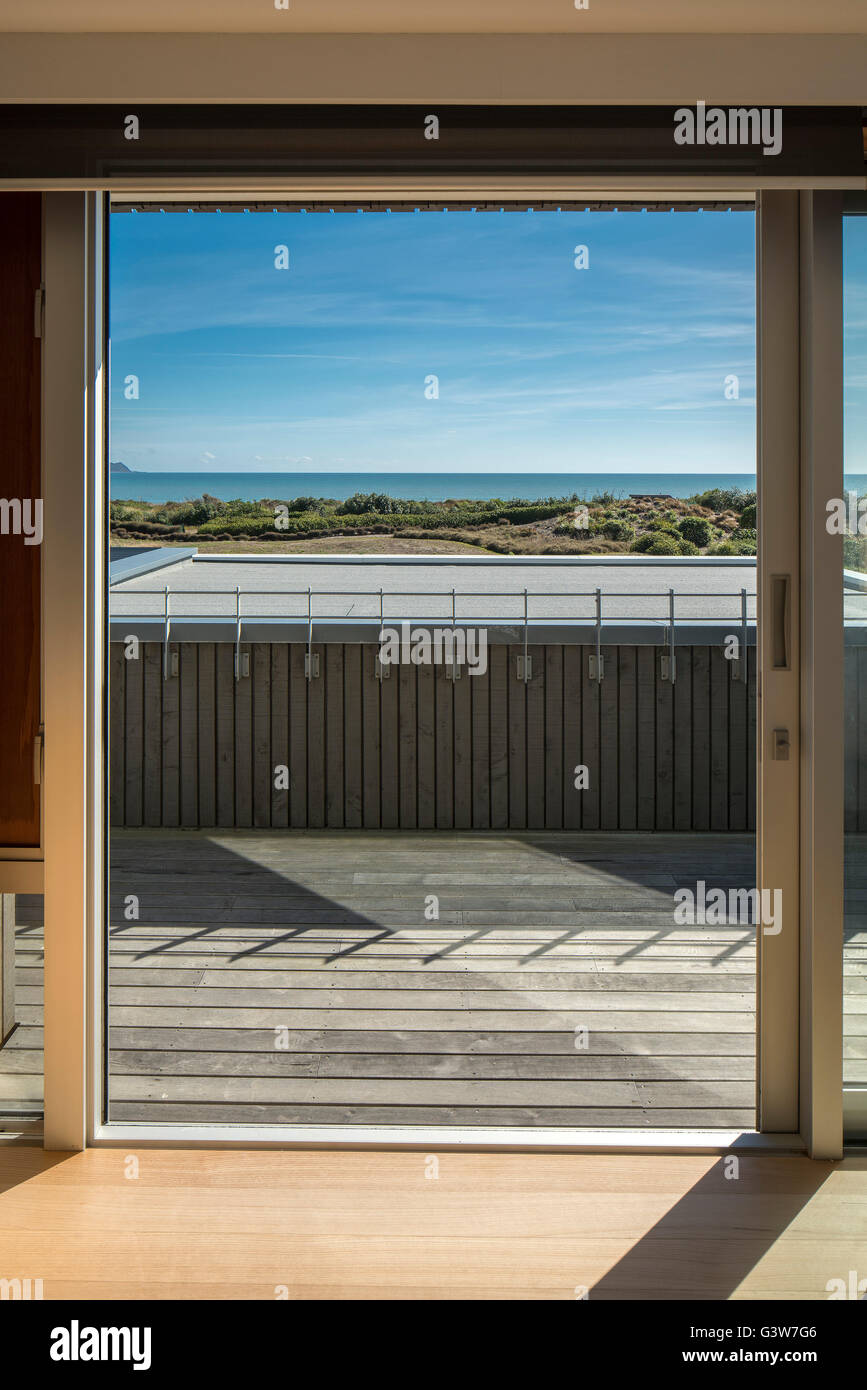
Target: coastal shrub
642,544
854,553
748,516
669,541
735,545
380,502
658,526
689,548
695,529
664,545
192,512
120,511
617,530
303,504
731,499
744,540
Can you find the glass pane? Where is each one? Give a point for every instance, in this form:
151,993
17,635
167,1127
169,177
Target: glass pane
855,618
432,670
21,1070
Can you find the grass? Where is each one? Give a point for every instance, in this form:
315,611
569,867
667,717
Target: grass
717,522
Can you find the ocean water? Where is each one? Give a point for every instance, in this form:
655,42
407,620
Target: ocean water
433,487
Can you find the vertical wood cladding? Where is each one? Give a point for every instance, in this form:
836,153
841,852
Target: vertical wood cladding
420,751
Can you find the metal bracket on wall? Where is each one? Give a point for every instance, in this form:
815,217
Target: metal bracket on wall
595,667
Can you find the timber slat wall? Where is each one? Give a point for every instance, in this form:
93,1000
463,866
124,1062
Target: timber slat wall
419,751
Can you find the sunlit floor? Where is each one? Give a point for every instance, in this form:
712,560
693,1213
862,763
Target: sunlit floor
310,1225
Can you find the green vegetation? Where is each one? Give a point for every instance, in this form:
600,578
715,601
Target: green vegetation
695,529
718,522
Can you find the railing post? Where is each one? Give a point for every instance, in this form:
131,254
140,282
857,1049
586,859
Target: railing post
381,672
672,668
308,660
744,669
598,673
166,632
237,632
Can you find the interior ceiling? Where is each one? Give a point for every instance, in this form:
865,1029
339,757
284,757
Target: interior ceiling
443,16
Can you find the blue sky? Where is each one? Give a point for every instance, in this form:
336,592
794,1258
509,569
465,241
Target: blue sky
541,367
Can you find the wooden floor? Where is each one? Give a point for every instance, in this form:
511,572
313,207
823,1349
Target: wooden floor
553,990
320,1225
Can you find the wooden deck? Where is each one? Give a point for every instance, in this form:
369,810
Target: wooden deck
390,1018
472,1019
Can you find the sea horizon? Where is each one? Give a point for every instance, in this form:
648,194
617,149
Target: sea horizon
157,487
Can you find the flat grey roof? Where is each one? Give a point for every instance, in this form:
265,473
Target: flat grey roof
632,587
345,600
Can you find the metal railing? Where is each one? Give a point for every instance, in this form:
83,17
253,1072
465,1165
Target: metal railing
524,616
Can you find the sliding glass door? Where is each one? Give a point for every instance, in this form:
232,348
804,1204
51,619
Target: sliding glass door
432,668
847,516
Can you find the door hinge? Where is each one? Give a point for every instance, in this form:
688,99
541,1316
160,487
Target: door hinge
39,312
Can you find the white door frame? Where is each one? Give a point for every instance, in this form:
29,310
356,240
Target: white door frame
799,1030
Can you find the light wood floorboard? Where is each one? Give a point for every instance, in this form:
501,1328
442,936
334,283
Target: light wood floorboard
328,1225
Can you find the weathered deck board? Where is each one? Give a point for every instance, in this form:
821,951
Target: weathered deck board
387,1017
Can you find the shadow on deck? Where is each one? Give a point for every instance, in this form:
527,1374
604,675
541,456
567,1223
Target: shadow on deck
378,978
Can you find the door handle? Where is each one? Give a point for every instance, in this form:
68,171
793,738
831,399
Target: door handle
780,621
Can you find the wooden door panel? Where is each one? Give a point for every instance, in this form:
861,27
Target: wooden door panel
20,474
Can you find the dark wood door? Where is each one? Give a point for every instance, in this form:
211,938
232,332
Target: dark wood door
20,488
